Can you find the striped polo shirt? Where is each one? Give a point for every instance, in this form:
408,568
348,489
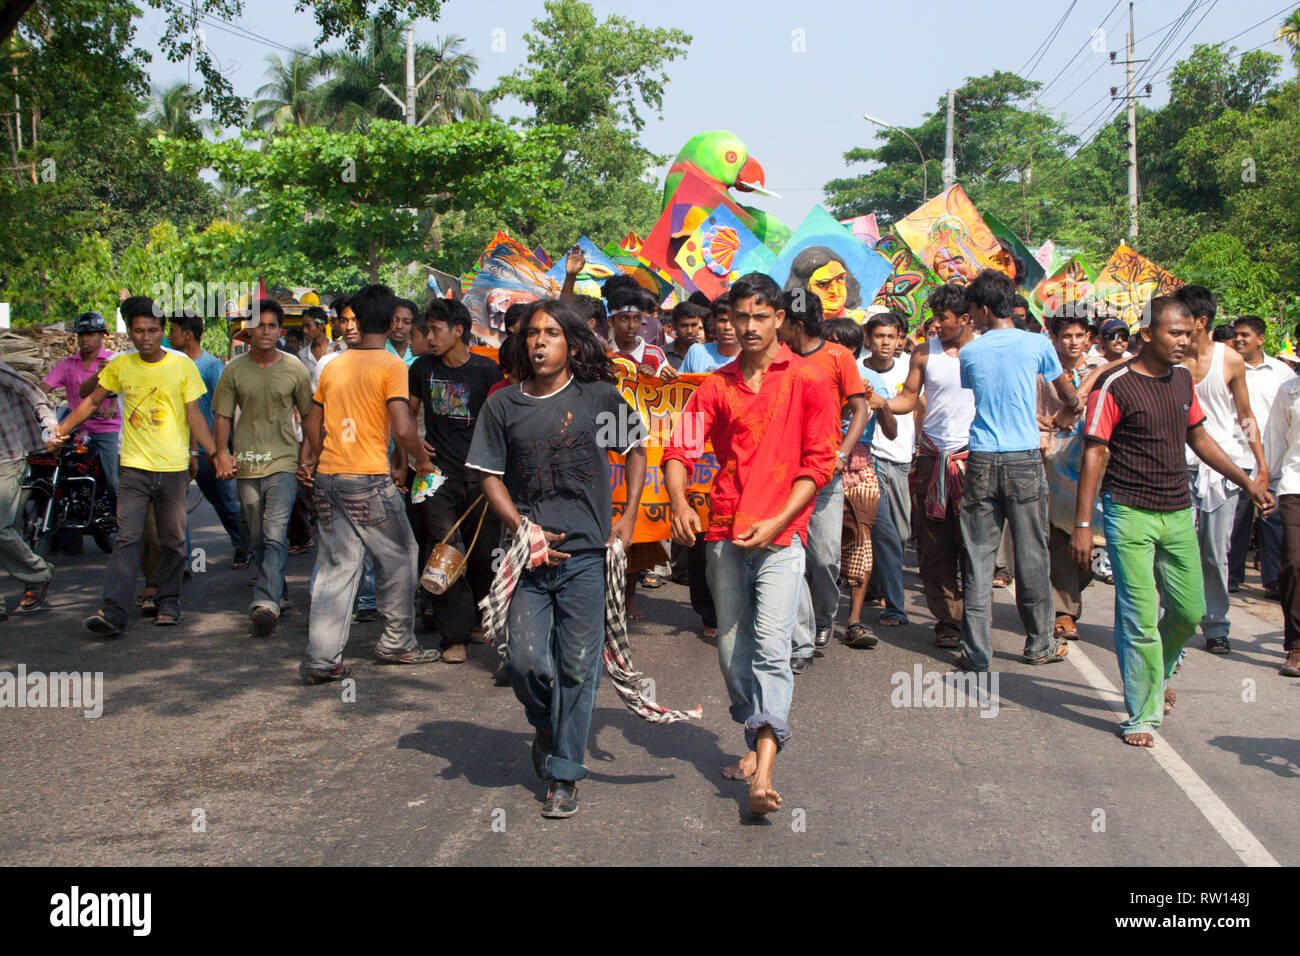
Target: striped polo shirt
1144,421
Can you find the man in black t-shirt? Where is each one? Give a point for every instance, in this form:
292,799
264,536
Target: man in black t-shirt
451,384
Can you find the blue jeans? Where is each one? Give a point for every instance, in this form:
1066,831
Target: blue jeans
222,495
1213,532
356,514
266,503
365,593
1270,541
1006,488
820,601
108,446
887,548
756,593
556,629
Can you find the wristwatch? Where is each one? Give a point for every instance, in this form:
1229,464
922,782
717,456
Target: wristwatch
844,459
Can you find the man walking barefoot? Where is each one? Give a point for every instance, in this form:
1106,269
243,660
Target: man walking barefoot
773,423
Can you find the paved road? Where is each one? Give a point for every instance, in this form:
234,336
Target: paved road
430,764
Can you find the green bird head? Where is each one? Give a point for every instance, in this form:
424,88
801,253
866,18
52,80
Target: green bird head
721,158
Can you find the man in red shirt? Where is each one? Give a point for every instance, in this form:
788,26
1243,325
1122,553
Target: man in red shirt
772,420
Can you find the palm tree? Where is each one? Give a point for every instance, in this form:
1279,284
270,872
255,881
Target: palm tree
172,112
1289,33
235,200
289,97
352,97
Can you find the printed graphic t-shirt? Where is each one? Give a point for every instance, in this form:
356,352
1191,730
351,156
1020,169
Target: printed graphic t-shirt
452,399
551,454
155,434
265,443
354,391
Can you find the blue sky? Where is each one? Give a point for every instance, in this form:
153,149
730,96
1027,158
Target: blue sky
793,81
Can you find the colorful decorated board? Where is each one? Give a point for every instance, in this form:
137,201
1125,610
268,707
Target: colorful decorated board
693,201
506,272
1129,281
599,267
864,228
827,259
949,237
909,284
712,255
1069,284
646,275
1034,273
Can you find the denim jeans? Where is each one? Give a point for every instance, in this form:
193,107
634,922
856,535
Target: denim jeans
1244,522
755,592
892,477
820,601
1155,561
887,545
1006,488
1213,531
365,593
16,558
224,500
556,630
108,446
137,489
266,503
356,514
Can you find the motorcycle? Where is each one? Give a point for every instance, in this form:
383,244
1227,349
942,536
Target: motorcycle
67,490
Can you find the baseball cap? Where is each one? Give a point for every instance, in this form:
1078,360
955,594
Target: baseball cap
1113,325
89,322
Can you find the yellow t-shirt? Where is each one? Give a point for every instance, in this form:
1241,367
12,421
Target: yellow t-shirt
155,433
354,391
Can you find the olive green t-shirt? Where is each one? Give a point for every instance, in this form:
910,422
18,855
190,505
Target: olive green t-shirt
264,439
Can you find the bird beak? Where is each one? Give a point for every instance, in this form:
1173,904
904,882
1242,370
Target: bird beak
751,179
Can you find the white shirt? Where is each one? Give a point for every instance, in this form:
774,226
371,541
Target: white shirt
898,449
1282,439
1262,383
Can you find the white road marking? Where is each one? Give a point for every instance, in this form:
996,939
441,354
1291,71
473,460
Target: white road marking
1224,821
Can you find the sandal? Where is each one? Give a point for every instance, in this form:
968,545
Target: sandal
651,580
168,618
1066,629
889,622
148,605
100,624
1062,649
33,597
858,636
241,561
709,634
1001,580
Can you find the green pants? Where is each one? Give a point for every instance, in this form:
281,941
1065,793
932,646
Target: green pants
1155,560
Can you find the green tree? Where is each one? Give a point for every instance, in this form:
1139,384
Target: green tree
289,96
171,112
600,80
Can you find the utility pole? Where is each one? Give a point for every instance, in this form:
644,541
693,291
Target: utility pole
412,87
949,164
1130,126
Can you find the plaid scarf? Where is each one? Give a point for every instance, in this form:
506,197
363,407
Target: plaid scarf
528,550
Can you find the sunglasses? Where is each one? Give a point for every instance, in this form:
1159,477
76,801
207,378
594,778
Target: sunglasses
1116,335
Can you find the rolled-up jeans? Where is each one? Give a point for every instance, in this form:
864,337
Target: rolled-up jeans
266,503
755,592
821,599
1007,488
356,514
556,629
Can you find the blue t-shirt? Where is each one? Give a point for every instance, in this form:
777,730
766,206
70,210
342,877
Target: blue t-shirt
873,380
210,369
704,357
1002,368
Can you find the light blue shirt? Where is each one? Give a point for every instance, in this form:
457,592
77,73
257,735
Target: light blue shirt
210,369
1002,367
408,358
704,357
873,379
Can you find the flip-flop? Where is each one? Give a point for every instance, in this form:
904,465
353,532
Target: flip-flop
100,624
33,597
651,581
148,606
168,619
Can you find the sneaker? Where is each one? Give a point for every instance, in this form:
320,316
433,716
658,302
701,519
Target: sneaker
1292,666
263,621
365,615
453,654
1217,645
323,677
561,800
418,655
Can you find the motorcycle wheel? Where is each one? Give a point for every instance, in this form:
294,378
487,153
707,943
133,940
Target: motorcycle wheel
105,539
33,512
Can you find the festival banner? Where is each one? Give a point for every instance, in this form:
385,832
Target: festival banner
599,267
864,228
690,204
908,286
1034,273
646,275
820,250
507,272
1070,283
950,238
711,255
1130,281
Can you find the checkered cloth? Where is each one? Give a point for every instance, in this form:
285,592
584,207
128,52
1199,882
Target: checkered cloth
528,550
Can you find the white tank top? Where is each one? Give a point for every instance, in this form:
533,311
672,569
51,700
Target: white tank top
1220,410
949,408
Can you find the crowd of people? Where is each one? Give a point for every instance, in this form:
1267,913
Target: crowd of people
1001,450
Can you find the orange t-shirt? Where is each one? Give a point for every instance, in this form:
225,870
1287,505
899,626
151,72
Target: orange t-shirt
837,364
354,391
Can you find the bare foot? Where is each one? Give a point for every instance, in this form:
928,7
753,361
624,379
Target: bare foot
743,768
710,634
1170,699
1139,740
633,612
763,799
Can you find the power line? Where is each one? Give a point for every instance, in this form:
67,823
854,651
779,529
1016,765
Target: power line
1042,48
1101,26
